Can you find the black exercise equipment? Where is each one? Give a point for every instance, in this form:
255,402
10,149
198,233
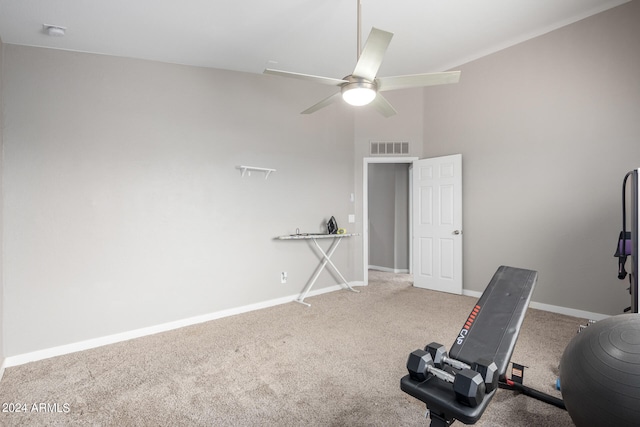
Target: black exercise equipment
489,334
528,391
516,383
440,357
486,368
489,372
468,385
627,245
600,373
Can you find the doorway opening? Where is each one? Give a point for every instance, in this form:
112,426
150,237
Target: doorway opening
398,248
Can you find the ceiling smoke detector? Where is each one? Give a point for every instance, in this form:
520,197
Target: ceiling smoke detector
54,30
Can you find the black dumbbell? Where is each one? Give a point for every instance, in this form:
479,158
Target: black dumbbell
440,357
489,371
486,368
468,384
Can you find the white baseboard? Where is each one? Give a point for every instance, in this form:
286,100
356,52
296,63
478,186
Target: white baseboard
469,293
389,270
568,311
21,359
552,308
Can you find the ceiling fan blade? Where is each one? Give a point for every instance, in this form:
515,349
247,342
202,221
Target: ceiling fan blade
372,54
307,77
327,101
383,106
417,80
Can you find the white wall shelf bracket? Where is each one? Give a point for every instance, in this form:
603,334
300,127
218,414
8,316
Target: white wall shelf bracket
248,169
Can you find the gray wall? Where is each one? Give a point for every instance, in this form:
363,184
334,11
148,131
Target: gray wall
401,243
547,129
388,216
123,205
1,207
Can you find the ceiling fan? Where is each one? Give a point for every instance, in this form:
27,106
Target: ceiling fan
362,87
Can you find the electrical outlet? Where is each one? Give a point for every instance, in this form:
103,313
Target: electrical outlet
283,277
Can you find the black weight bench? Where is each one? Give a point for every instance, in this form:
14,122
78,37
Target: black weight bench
490,332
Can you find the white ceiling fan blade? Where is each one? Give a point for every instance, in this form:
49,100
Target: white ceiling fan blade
327,101
372,54
383,106
417,80
307,77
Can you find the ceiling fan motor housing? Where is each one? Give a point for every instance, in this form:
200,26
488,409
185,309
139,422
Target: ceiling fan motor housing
358,91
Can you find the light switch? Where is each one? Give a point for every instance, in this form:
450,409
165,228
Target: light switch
352,219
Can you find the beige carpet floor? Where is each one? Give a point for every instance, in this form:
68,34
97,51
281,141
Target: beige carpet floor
336,363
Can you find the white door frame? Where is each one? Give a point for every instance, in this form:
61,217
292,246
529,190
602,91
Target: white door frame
365,208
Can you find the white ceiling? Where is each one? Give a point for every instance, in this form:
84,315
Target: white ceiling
307,36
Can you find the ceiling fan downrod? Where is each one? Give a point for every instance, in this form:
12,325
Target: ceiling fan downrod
359,35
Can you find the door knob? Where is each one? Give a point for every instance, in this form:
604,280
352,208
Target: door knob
456,232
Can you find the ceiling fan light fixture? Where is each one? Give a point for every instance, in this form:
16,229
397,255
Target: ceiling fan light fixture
358,93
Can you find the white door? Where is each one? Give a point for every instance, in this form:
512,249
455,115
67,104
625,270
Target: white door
437,223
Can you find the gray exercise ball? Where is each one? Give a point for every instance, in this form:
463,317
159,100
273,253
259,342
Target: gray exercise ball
600,373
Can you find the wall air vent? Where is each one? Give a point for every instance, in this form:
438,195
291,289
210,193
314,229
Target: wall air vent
389,148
